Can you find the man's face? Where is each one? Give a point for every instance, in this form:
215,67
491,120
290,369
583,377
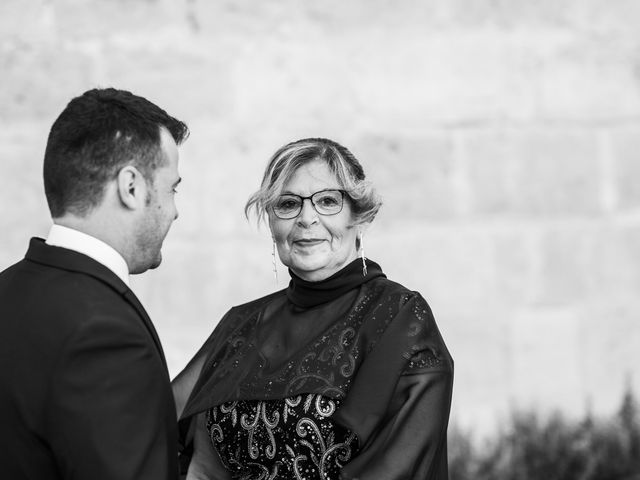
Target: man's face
160,211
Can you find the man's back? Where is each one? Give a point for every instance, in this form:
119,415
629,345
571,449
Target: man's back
83,382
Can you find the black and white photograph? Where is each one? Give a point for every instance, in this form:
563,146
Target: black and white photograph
329,240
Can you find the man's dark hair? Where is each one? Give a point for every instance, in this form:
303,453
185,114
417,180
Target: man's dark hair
96,135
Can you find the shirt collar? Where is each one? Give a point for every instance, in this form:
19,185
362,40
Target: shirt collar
71,239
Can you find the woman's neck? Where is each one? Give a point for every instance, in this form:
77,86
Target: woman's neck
318,275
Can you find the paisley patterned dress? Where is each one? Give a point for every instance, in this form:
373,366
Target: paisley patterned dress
292,438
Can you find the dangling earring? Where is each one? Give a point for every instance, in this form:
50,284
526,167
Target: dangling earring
364,263
273,261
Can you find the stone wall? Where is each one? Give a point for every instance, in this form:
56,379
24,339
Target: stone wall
503,136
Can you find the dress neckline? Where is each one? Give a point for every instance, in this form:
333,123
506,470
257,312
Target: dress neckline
303,293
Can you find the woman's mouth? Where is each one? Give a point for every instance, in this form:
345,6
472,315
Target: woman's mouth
308,242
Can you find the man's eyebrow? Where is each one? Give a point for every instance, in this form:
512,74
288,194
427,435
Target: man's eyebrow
175,184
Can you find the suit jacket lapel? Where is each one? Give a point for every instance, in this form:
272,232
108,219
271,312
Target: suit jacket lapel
70,260
133,300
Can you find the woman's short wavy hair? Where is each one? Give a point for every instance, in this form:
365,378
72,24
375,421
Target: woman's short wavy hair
348,171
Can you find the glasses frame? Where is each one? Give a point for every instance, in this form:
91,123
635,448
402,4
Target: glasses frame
310,198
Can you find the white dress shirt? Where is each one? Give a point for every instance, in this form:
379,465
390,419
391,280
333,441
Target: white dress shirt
65,237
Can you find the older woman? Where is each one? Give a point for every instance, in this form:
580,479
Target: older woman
341,375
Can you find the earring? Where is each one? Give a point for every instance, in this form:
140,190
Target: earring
273,261
364,263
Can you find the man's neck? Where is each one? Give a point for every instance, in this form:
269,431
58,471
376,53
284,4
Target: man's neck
80,237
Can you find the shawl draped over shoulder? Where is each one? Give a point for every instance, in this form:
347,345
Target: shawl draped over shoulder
365,340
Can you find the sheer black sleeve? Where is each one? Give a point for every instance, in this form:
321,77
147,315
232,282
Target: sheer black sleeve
412,440
399,404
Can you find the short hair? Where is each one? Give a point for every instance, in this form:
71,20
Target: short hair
344,165
96,135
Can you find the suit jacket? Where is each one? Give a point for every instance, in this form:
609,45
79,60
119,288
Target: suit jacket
84,387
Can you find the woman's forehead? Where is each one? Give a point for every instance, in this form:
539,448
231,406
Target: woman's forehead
312,176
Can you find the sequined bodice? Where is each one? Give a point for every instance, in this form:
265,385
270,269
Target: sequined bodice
292,438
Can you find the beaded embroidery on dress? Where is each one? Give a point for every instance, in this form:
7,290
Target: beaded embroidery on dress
293,438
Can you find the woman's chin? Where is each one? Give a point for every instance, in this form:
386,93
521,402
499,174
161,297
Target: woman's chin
310,271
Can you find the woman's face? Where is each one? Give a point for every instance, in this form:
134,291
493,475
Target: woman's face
314,246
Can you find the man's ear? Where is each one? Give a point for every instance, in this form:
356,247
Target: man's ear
132,188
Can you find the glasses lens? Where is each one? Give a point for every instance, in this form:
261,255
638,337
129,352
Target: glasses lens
328,202
287,206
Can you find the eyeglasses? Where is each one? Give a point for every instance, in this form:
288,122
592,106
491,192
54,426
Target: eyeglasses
325,202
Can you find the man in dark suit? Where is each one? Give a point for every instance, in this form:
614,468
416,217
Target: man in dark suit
84,386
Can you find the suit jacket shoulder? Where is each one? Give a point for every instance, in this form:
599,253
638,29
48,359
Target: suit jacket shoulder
80,357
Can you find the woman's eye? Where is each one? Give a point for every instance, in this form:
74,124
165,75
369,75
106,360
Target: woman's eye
328,201
287,204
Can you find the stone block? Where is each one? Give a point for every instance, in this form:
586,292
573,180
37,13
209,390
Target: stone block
615,259
419,78
450,265
296,85
533,172
625,145
456,266
490,165
40,79
546,361
80,21
27,22
415,175
478,340
556,173
508,15
559,172
609,345
565,273
592,17
144,71
588,82
515,258
607,19
23,207
337,17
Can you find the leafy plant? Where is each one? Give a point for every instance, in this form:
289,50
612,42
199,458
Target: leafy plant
536,447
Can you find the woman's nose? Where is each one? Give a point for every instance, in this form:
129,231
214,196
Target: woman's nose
308,215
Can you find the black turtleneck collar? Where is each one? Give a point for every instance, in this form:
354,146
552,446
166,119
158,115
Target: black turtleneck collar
309,294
